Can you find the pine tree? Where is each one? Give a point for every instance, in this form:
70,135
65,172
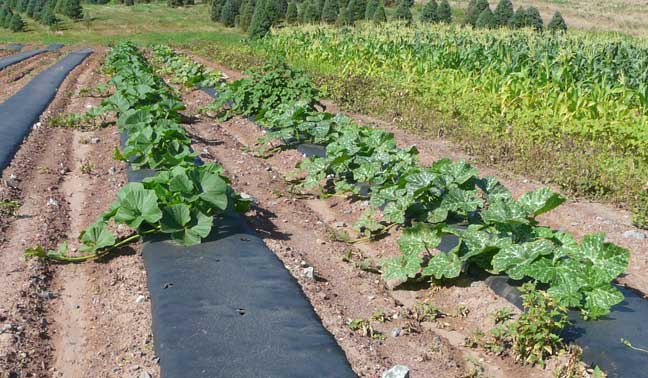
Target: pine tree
344,18
261,22
372,5
72,9
283,8
3,15
130,3
311,14
228,14
503,12
380,16
534,19
486,20
477,9
17,24
31,8
245,15
444,12
292,14
403,12
330,11
518,20
557,23
216,8
275,11
429,12
6,23
357,9
49,18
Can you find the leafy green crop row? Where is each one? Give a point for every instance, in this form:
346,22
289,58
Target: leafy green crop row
523,91
183,69
182,198
496,232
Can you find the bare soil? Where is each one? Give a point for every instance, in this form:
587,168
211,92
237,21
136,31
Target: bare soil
69,320
14,77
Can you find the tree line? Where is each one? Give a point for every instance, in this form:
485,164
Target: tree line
43,11
480,15
257,16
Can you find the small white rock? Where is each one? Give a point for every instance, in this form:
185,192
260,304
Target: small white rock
632,234
140,299
309,273
52,202
95,140
398,371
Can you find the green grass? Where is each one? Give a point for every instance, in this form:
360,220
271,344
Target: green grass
142,23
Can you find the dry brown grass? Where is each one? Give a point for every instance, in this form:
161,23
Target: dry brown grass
625,16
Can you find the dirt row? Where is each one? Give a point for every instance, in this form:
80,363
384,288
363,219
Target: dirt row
16,76
86,320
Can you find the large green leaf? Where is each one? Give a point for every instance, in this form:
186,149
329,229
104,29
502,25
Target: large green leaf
214,191
137,205
505,211
419,238
200,228
401,268
609,259
175,218
446,265
96,237
515,258
540,201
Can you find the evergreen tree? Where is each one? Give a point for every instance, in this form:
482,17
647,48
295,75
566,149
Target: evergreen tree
275,11
533,19
310,13
6,23
380,16
246,13
216,8
557,23
372,5
344,18
72,9
486,20
444,13
228,13
357,9
403,12
518,20
130,3
475,10
186,2
261,22
49,18
330,11
429,12
31,8
3,15
503,12
292,14
17,24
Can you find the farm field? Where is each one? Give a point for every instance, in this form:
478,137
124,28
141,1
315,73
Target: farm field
449,201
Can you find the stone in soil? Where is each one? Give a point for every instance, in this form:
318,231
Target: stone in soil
398,371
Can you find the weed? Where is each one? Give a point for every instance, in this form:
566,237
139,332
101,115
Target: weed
9,206
87,167
364,327
426,312
379,316
535,335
